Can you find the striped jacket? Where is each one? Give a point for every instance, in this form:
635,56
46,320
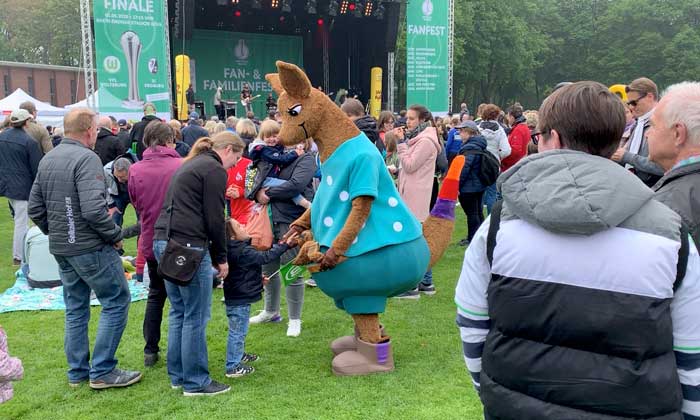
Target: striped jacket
577,316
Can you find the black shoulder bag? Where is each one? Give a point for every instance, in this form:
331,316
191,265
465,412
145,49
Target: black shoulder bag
179,263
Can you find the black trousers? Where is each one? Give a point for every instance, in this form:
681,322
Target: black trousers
154,308
471,204
220,112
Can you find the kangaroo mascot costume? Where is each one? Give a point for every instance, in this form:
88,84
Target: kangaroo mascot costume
366,242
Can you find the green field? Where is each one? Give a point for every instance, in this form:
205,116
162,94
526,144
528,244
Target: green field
292,380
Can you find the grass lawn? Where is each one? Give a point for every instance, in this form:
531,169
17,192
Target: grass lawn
292,380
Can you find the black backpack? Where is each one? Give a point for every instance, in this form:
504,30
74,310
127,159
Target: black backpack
490,167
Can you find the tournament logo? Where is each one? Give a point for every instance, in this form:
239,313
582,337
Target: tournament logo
111,64
427,9
180,260
241,50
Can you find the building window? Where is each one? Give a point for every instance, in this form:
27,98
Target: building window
6,80
30,85
73,91
52,90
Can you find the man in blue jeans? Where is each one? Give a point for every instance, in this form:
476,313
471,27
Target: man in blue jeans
68,204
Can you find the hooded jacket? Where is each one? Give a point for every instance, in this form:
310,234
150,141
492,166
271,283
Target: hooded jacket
368,125
108,146
518,138
137,134
149,180
469,178
496,139
577,317
243,285
417,157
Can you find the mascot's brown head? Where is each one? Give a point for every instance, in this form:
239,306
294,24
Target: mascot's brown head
308,112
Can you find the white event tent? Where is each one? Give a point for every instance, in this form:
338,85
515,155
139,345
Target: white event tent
47,114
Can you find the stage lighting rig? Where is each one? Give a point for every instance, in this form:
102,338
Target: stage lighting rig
379,11
287,6
368,7
333,6
275,4
234,2
359,8
311,7
344,5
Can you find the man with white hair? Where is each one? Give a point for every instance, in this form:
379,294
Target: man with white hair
116,178
674,144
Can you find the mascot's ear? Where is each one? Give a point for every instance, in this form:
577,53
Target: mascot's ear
274,80
293,80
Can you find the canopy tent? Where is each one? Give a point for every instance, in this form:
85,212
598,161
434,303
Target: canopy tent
46,113
83,103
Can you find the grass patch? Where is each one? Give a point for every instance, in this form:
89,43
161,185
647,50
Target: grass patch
292,380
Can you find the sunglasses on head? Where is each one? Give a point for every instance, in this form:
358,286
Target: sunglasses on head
634,102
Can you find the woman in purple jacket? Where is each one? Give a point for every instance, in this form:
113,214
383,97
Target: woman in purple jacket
148,182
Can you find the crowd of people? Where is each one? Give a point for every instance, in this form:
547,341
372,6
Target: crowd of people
576,230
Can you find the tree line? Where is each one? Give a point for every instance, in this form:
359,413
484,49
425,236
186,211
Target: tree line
507,51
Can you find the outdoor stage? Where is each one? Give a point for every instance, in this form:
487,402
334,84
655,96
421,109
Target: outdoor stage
231,42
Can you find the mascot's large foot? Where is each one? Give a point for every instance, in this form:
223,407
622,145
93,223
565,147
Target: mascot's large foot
349,342
367,358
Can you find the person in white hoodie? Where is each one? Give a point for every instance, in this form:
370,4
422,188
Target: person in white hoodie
496,143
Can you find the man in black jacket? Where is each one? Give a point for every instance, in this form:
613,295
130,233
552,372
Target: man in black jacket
194,131
68,204
674,144
124,135
108,146
366,123
149,114
19,160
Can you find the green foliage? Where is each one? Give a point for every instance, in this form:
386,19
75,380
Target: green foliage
508,51
292,379
45,33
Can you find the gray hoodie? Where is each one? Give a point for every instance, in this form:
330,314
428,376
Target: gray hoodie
570,192
496,139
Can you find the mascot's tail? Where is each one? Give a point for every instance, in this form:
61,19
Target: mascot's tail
437,228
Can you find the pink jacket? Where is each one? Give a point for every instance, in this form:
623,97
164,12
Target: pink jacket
10,369
149,180
417,158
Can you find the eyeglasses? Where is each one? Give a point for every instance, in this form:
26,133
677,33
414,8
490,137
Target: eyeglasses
535,137
634,102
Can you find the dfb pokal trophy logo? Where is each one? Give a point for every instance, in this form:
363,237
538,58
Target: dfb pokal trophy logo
131,46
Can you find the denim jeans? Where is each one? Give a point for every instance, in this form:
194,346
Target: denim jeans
154,308
120,201
427,278
190,310
102,272
237,331
490,197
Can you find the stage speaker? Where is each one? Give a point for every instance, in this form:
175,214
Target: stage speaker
392,14
183,24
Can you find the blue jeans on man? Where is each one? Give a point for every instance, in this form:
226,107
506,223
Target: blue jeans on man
190,310
238,316
102,272
491,195
120,201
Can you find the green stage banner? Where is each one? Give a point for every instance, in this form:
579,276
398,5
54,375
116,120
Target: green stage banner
132,57
427,61
230,59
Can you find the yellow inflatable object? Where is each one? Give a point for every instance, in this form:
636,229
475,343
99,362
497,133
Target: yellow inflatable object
619,90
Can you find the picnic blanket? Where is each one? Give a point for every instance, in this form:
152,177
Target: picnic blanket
22,297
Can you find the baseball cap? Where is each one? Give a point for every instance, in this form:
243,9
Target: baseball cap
20,115
194,115
121,123
468,124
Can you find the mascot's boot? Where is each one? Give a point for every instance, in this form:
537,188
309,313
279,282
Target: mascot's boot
349,342
367,358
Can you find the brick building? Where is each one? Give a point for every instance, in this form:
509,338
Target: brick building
57,85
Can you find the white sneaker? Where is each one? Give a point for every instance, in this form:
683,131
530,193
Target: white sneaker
294,328
265,316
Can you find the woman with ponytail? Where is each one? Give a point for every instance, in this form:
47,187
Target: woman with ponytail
193,216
